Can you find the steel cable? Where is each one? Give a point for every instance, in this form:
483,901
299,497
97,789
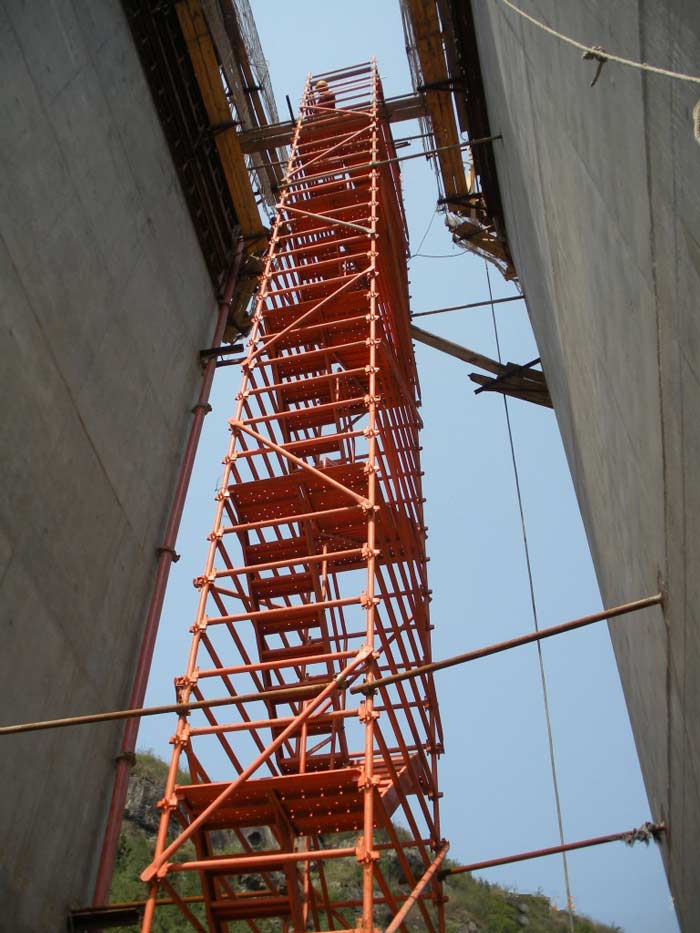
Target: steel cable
427,231
533,601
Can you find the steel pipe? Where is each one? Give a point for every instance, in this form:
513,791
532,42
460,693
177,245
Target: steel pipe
416,892
644,833
473,304
512,643
181,708
260,862
414,155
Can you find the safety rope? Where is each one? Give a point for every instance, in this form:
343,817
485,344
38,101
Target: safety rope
597,53
533,602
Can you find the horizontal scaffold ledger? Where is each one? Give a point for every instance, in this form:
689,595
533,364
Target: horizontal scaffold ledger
315,579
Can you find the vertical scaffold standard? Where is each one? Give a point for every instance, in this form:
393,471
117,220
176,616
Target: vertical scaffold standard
316,576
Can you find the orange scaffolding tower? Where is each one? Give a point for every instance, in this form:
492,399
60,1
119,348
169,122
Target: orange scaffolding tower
315,578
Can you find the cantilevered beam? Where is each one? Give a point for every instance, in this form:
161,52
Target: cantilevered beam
517,380
457,350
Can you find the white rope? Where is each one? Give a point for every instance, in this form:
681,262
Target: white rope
596,52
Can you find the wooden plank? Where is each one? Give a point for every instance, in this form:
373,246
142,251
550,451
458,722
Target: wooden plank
530,392
276,135
453,68
206,68
457,350
429,46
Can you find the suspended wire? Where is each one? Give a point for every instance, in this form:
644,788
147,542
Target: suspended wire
533,602
427,231
599,54
431,256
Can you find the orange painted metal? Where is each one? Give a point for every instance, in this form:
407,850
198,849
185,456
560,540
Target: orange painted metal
316,571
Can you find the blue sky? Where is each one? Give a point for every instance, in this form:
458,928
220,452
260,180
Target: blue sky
495,774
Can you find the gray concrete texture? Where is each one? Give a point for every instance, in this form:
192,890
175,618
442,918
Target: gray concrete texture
601,189
104,302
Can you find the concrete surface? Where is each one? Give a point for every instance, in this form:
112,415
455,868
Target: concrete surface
104,302
601,190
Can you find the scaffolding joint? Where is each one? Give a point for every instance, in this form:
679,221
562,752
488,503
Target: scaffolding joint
367,689
168,802
363,714
181,739
183,683
200,627
364,855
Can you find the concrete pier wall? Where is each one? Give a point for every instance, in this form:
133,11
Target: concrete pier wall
104,302
601,192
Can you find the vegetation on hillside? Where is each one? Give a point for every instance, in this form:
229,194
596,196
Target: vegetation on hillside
474,906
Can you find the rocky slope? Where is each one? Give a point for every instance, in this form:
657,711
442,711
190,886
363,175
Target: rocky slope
474,906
